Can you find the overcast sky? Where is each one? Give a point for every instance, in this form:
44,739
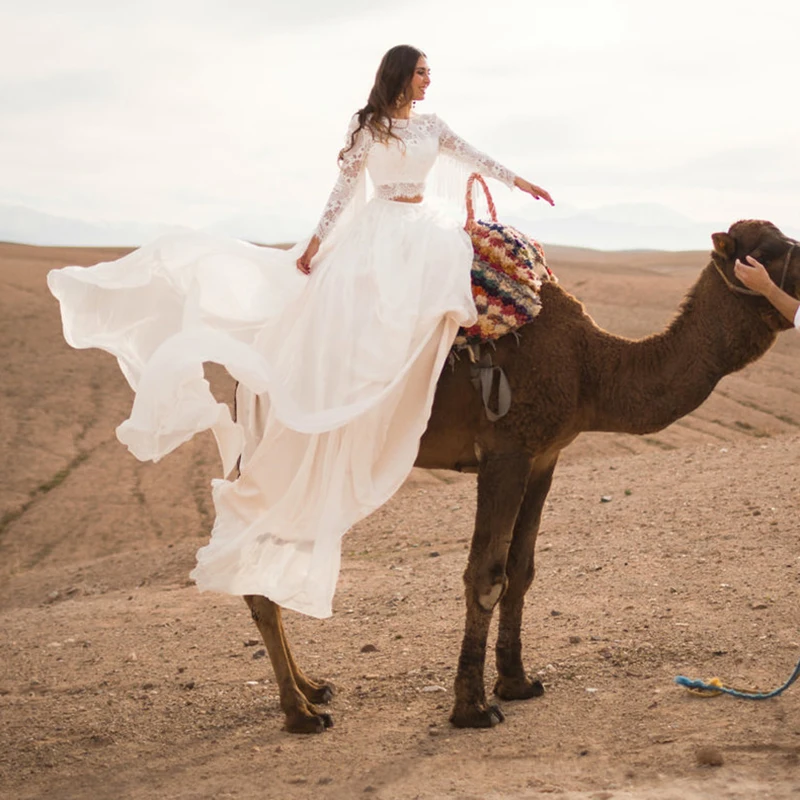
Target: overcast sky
191,111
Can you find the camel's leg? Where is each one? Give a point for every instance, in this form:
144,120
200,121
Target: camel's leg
501,485
301,715
314,690
512,682
249,408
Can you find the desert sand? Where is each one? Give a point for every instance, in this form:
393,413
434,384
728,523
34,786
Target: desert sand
119,680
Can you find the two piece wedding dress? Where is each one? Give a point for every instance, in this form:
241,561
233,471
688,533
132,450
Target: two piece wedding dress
336,370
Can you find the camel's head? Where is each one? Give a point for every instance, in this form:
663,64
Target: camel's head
765,242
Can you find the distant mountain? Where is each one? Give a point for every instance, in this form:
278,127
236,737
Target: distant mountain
26,226
633,226
628,226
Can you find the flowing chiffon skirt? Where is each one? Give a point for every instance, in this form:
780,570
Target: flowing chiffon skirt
337,373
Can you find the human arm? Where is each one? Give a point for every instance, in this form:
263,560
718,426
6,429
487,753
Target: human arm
754,276
454,145
350,168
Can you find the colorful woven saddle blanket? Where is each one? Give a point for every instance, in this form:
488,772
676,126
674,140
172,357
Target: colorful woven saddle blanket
507,271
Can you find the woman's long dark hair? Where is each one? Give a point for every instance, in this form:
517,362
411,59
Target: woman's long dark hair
392,79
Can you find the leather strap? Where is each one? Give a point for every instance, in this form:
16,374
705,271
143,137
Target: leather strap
483,375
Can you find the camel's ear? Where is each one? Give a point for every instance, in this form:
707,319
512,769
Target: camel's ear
724,244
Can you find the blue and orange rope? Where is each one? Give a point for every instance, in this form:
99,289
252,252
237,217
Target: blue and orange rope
716,687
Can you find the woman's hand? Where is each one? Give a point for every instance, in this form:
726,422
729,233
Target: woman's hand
533,190
304,262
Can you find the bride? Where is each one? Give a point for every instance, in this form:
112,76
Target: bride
337,346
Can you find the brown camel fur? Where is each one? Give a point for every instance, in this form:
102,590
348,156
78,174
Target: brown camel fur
567,376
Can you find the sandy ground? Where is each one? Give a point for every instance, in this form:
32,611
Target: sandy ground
119,680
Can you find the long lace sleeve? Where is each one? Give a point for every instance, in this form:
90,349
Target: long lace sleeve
349,173
463,151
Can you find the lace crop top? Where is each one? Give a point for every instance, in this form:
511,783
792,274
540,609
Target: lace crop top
399,168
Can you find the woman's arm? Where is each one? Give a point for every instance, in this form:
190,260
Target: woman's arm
453,144
349,171
755,277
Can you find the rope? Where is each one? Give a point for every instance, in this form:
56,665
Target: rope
715,687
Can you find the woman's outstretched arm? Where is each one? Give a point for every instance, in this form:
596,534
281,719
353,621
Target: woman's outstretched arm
453,144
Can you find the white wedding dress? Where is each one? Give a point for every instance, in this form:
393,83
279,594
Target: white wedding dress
337,371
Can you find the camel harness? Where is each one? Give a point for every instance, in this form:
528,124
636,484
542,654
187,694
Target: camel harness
751,292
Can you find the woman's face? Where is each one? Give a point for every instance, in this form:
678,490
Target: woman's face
421,79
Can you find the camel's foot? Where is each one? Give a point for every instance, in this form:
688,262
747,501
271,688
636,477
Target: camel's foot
484,715
317,691
308,720
522,688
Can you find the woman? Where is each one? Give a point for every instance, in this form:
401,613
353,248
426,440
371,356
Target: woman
336,371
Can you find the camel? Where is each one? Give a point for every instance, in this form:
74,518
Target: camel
567,376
